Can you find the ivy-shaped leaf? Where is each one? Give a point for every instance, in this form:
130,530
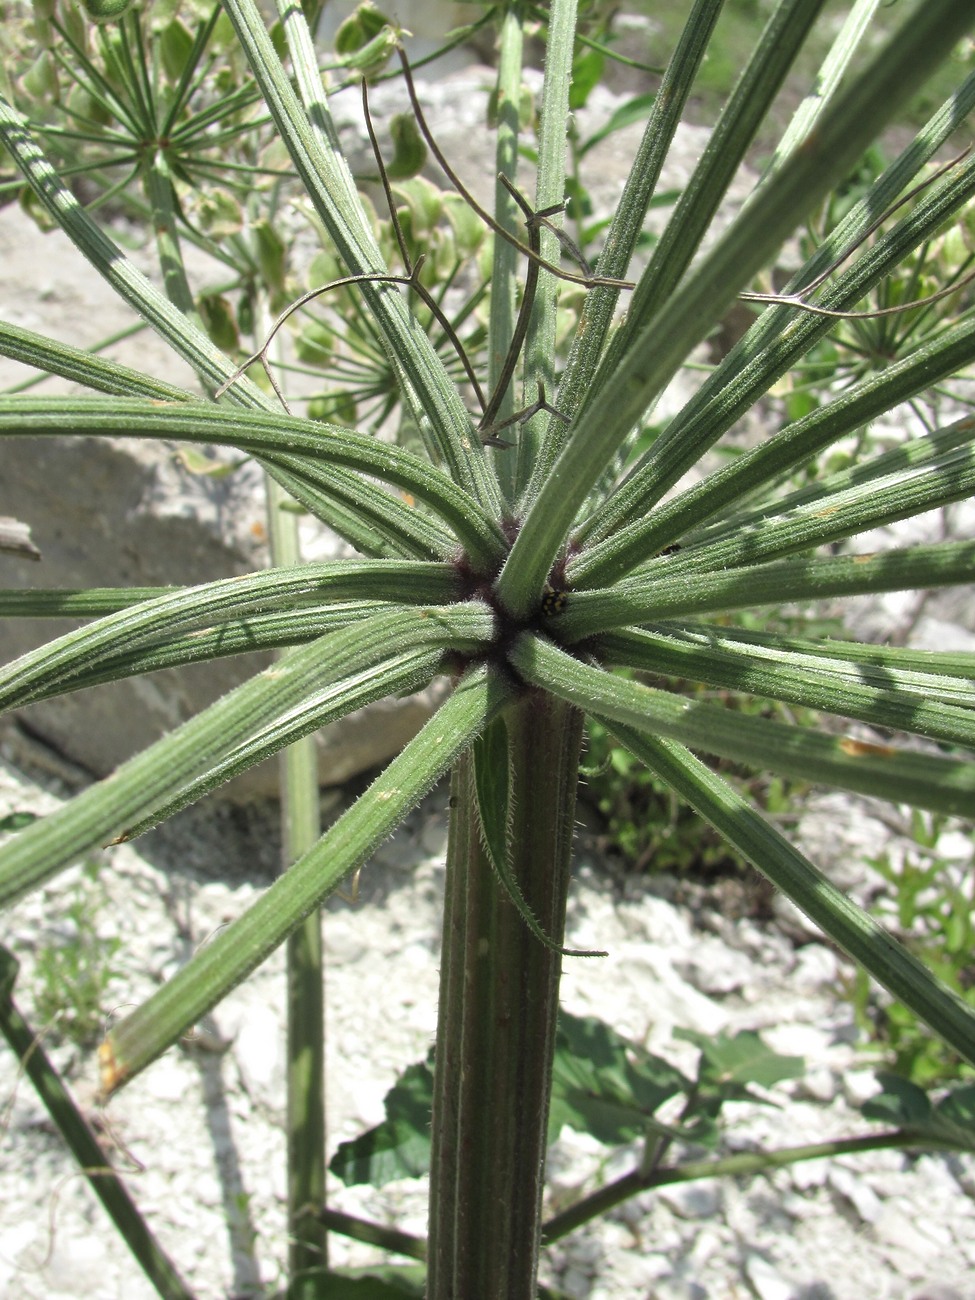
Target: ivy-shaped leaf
605,1085
730,1063
399,1147
906,1106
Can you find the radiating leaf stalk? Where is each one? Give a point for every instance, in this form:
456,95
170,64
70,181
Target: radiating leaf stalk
236,951
841,512
276,435
504,258
490,425
261,632
661,345
614,259
762,466
780,337
248,724
306,130
887,699
828,79
655,595
852,929
947,675
915,455
539,364
411,280
740,118
942,784
413,268
82,366
143,616
401,675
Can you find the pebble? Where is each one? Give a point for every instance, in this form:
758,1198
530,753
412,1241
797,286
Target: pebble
260,1053
680,1289
859,1194
817,1085
860,1085
714,968
809,1173
702,1200
766,1281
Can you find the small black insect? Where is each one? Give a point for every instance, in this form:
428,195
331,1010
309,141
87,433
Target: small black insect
553,602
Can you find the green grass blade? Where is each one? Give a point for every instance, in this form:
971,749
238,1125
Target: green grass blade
300,831
233,953
940,784
852,929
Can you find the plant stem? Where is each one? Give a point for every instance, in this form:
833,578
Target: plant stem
300,831
300,825
374,1234
83,1142
737,1166
498,1005
504,257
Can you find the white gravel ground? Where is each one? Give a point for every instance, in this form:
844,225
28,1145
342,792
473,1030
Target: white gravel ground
201,1130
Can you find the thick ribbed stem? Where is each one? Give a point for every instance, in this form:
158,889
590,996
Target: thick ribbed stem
498,1007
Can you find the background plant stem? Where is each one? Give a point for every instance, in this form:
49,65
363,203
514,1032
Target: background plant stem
83,1142
300,830
740,1165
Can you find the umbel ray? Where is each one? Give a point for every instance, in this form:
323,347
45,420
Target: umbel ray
489,406
488,426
